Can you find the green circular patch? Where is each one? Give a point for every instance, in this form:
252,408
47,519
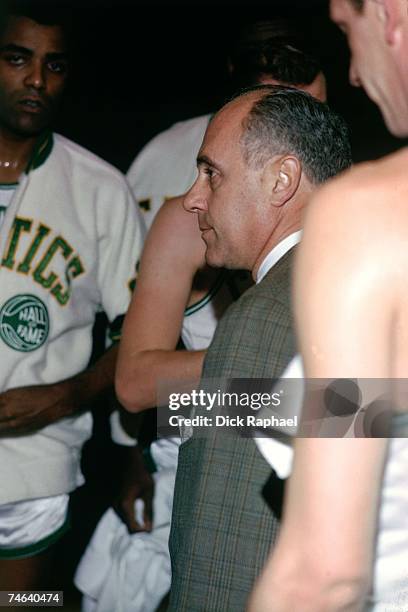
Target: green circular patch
24,323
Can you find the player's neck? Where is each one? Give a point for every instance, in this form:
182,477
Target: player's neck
15,153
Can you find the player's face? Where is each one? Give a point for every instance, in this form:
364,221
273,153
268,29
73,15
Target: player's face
33,70
370,65
354,24
316,88
228,195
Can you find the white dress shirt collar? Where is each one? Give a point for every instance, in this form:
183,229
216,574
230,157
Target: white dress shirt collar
277,253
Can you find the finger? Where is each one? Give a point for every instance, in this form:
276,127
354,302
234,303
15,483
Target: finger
13,428
148,511
17,427
6,418
133,522
128,520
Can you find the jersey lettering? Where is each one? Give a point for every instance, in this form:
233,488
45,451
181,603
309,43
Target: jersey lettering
19,225
42,272
42,232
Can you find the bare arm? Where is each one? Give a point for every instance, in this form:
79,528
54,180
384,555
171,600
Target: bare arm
345,290
27,409
133,478
172,255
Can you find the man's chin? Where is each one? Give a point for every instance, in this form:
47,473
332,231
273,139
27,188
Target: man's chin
31,130
29,127
212,260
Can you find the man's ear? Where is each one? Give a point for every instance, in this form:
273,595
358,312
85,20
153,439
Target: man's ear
391,14
282,176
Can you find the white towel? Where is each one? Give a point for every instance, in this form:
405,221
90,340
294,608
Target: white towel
122,572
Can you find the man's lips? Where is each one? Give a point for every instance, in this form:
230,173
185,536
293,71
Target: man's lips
204,230
32,104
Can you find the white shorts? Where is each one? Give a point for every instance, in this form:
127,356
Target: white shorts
29,527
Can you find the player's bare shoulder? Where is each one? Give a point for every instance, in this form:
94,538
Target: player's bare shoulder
174,229
173,244
173,213
367,203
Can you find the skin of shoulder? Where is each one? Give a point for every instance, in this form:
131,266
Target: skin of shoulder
176,230
347,285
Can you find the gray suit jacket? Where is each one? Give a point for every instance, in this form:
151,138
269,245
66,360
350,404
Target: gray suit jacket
222,528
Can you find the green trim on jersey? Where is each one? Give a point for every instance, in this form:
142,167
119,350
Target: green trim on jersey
41,151
115,329
37,547
204,301
8,186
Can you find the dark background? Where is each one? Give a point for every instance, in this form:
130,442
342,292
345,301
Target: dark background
137,68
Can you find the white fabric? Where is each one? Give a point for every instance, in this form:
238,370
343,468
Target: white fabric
391,565
120,572
118,434
6,195
166,166
93,238
277,453
25,523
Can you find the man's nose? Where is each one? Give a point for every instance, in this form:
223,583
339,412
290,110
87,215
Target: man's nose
35,77
353,76
194,201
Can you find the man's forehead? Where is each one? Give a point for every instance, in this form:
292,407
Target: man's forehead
223,132
25,32
229,119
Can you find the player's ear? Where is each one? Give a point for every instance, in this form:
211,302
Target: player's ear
282,174
392,16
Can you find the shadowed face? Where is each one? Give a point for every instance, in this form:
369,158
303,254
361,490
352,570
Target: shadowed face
316,88
33,70
373,64
355,26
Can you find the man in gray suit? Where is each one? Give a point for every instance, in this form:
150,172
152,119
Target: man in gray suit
263,155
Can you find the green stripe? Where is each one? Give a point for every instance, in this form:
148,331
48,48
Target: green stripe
37,547
8,186
41,151
115,328
214,289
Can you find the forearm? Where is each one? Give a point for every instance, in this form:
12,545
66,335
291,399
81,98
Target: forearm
97,379
137,381
296,582
26,409
344,596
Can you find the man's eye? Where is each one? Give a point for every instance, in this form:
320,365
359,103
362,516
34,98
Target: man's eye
209,172
15,59
57,67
